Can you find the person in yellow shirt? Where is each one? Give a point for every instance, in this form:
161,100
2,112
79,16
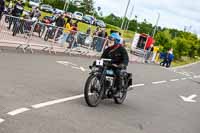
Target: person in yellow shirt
66,31
155,50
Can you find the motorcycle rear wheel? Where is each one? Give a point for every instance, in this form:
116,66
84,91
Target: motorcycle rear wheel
122,97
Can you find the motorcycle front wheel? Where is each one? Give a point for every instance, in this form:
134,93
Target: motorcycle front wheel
93,91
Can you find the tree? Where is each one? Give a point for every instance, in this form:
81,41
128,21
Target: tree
87,6
113,20
163,38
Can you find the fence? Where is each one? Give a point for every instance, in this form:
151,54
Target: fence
28,35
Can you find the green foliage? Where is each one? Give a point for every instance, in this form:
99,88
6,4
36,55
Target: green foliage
113,20
185,44
164,39
112,27
87,6
55,3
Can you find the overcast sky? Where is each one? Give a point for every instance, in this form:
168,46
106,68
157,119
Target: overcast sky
174,13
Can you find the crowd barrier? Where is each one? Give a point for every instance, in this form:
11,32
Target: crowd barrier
27,34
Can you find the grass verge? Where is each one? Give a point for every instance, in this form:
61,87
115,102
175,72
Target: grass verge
184,62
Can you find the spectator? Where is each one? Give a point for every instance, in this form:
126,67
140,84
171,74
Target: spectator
100,40
16,12
75,26
36,13
96,32
148,53
2,7
122,40
66,31
18,9
60,21
95,37
155,51
105,43
73,31
88,32
168,58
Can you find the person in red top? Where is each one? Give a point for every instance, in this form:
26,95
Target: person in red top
73,32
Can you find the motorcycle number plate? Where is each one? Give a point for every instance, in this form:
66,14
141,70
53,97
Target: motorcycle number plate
99,62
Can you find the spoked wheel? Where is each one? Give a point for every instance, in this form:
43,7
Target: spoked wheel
93,91
46,37
122,95
42,31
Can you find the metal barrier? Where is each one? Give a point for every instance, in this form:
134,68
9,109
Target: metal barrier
15,30
28,34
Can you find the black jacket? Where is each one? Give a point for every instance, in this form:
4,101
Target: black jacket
2,5
118,55
60,22
18,10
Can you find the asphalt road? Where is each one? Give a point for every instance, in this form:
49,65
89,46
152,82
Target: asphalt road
153,106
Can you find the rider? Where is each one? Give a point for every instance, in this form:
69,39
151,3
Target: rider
119,57
35,13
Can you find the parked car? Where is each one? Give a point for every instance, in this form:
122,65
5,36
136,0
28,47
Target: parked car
77,16
100,23
88,19
47,8
56,11
34,3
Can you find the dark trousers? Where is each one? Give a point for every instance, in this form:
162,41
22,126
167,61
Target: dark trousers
166,62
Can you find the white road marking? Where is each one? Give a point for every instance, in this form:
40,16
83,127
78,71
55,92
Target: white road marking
159,82
136,85
1,120
197,76
74,67
82,69
18,111
79,68
66,63
40,105
173,80
189,77
189,98
183,78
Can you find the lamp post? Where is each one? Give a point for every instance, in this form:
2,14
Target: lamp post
127,26
65,5
125,14
154,31
136,23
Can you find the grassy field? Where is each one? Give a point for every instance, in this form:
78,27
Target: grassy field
184,62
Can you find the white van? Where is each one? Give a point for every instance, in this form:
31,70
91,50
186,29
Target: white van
34,3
